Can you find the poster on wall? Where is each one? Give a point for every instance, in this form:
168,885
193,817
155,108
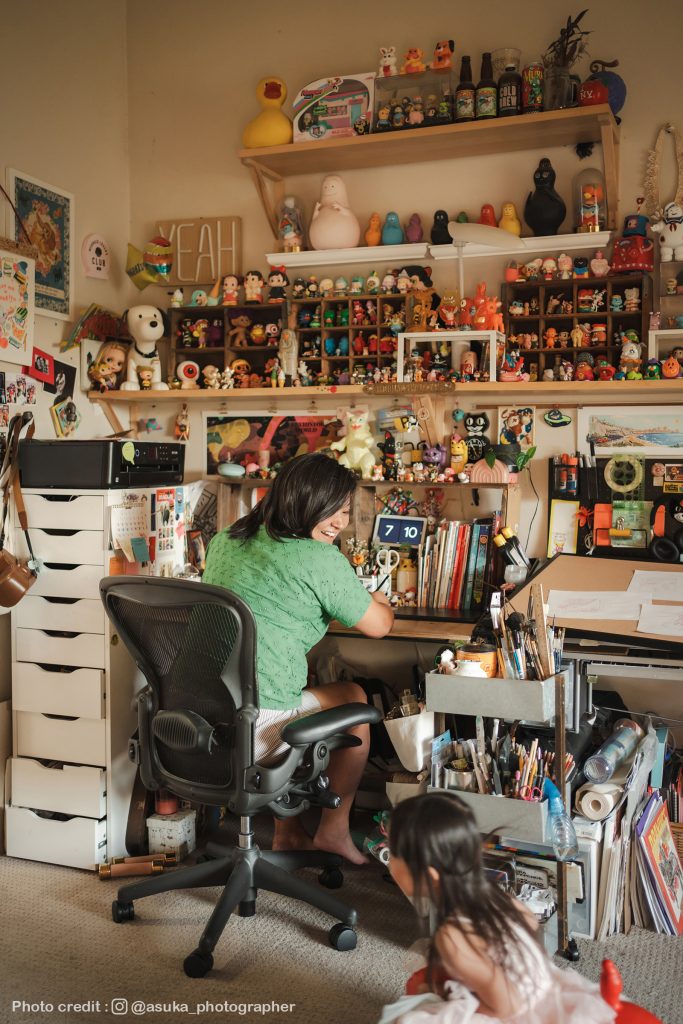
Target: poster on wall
648,430
64,413
263,441
516,426
47,214
17,305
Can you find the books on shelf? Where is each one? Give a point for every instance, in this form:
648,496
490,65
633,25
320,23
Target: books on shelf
660,875
455,564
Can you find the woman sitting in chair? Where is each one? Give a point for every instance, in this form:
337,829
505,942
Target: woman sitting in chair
281,559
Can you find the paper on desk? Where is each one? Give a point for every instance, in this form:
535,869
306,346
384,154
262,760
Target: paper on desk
599,604
662,619
662,586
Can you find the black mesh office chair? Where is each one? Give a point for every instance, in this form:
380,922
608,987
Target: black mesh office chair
196,646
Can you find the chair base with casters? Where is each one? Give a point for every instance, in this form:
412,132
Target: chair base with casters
241,873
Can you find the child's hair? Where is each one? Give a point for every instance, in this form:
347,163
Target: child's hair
308,489
439,830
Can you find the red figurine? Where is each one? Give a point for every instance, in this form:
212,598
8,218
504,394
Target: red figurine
488,216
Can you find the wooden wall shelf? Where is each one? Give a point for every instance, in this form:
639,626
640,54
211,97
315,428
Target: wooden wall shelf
273,164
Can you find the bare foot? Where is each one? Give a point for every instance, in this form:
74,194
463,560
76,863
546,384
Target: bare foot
291,835
342,844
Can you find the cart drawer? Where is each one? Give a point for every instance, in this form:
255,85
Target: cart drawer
77,740
83,547
83,649
77,692
67,789
74,615
64,512
74,581
75,843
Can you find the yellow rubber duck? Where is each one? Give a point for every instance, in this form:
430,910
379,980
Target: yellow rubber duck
373,232
509,221
271,127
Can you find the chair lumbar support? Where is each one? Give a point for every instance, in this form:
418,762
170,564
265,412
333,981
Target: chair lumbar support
184,731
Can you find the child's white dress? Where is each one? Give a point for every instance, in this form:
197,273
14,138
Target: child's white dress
550,995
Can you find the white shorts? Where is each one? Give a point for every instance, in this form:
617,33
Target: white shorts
269,724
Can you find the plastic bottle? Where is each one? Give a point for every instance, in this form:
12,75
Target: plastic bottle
562,832
510,92
600,767
465,94
486,100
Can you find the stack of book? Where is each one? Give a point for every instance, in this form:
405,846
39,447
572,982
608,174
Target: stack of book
456,564
659,889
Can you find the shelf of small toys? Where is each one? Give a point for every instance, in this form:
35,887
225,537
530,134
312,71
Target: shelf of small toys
447,142
377,255
573,327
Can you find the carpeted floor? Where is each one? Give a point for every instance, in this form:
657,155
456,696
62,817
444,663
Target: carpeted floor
58,944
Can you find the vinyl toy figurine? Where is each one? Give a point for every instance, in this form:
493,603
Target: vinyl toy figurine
439,233
544,209
254,283
414,231
277,281
392,232
373,232
356,444
443,55
476,424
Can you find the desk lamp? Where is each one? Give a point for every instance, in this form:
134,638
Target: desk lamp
481,234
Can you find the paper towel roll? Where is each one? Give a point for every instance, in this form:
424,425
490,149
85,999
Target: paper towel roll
595,800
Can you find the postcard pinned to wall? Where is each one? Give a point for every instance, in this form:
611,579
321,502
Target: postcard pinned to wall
652,430
17,305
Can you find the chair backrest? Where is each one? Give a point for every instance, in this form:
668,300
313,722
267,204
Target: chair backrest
196,646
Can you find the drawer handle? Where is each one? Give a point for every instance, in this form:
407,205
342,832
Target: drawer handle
59,533
59,497
65,566
62,600
60,718
52,815
63,633
57,668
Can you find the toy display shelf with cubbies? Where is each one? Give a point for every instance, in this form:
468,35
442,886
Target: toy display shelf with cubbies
220,343
541,315
668,336
342,333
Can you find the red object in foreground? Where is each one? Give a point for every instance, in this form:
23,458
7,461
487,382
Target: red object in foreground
610,987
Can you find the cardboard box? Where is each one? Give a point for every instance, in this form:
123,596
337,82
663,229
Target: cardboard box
333,108
172,832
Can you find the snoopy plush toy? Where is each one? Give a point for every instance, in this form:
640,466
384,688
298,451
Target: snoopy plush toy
146,326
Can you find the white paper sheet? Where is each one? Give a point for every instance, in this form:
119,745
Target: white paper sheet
663,620
663,586
598,604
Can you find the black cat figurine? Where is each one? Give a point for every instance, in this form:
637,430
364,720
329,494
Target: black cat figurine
544,210
439,233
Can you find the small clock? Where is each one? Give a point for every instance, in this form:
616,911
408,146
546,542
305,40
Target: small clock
397,531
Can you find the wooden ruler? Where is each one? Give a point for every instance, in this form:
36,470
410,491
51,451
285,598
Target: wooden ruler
545,654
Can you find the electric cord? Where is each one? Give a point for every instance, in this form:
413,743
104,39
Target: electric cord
538,502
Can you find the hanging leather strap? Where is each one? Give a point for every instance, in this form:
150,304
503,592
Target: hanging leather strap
9,474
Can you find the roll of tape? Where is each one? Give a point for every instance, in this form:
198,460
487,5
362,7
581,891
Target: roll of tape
613,473
384,855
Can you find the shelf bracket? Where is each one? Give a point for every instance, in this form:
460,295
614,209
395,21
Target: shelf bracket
610,156
262,176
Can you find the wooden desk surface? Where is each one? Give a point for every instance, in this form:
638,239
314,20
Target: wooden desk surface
412,629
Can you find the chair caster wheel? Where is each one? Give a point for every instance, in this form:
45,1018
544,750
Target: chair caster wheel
331,878
342,938
247,908
198,964
121,912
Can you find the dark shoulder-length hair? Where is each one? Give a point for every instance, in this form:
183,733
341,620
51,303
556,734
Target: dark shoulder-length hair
307,489
439,830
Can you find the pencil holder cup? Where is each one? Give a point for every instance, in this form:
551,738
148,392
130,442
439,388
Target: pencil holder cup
412,738
455,779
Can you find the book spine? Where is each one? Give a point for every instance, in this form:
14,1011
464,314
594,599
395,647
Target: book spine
480,565
471,559
462,568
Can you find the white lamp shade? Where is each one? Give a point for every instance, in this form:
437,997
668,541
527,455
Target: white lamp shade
483,234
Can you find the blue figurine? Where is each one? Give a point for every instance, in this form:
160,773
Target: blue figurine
439,232
343,345
330,346
544,210
392,232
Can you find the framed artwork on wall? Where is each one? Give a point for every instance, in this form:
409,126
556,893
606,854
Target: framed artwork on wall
47,213
17,302
647,430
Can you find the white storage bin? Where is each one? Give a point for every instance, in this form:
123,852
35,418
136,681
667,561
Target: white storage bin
79,581
76,843
86,649
167,832
77,616
68,789
64,512
529,699
521,819
83,547
77,740
412,739
77,692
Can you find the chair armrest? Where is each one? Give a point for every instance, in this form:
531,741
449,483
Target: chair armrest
323,724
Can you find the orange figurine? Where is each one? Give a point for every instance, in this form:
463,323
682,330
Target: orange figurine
488,216
373,232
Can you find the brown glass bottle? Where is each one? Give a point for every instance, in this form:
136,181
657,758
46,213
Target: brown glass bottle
509,92
465,94
486,98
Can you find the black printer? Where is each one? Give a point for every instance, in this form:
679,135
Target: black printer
100,464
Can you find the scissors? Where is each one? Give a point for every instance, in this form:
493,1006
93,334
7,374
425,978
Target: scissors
531,793
387,559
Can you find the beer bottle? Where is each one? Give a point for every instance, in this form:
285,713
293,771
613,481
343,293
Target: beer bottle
486,93
509,92
464,94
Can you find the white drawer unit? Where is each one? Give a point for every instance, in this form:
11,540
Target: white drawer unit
84,615
64,511
58,690
85,547
40,645
74,842
56,580
73,689
57,738
66,789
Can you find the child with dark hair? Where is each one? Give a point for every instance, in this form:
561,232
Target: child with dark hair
485,964
282,560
